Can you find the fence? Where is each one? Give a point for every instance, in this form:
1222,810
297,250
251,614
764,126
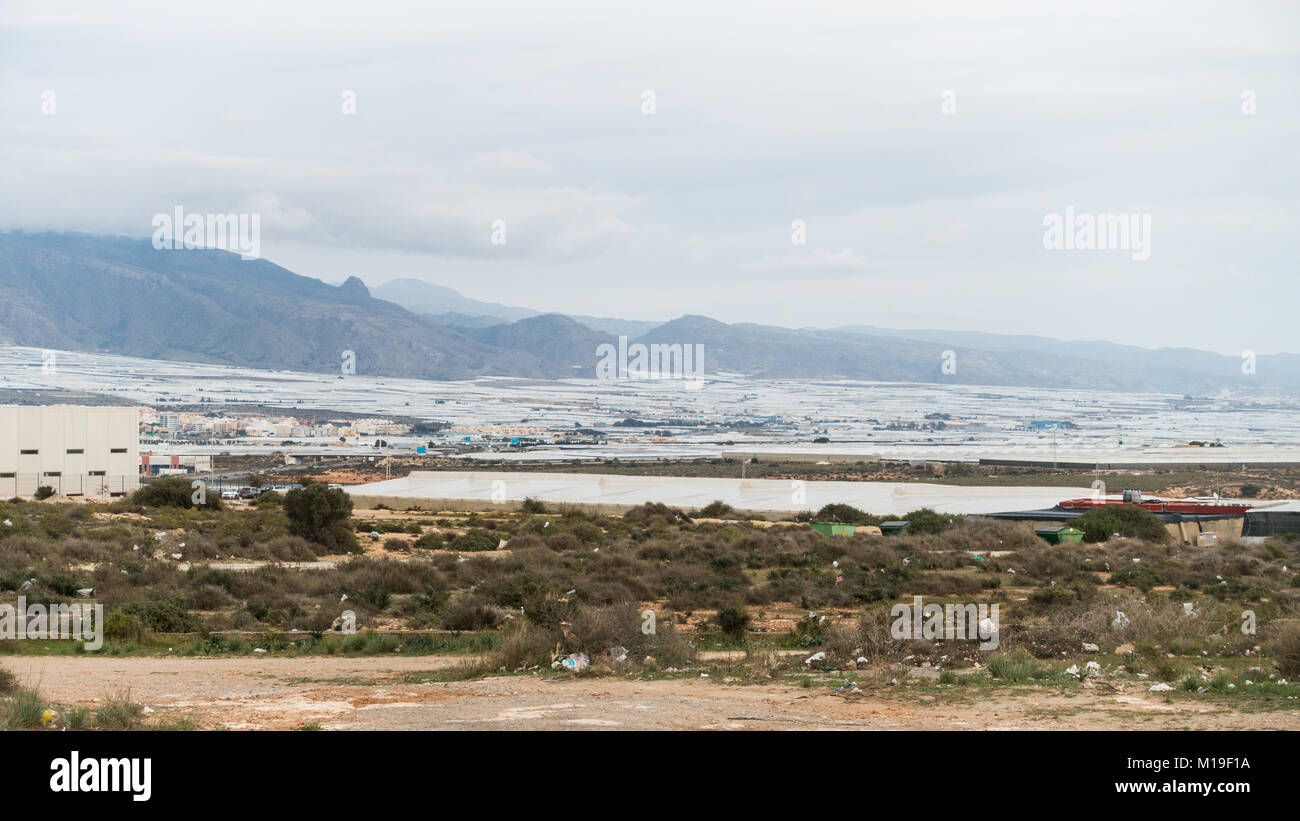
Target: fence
25,484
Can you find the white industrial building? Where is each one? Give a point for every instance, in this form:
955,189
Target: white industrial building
76,450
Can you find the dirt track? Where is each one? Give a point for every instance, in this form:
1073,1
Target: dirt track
367,693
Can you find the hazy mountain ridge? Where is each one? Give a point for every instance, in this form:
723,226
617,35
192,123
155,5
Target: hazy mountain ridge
122,296
119,295
451,308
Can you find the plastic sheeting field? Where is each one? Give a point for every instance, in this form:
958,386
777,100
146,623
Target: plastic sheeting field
885,498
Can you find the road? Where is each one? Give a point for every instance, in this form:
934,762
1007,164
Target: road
388,693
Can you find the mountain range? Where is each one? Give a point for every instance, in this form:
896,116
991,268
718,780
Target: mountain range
118,295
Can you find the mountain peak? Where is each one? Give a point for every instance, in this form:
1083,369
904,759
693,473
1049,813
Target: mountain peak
354,287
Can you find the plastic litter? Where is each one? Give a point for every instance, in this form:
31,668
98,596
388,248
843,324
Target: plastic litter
818,656
1091,648
1121,621
1160,688
574,662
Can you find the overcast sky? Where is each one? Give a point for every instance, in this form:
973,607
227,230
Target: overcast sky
921,147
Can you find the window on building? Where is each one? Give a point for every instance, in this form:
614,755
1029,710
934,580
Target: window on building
118,450
53,473
98,472
6,475
76,450
29,452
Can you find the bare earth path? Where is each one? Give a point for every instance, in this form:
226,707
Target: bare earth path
368,693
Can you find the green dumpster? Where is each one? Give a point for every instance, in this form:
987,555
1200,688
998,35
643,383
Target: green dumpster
1059,534
833,528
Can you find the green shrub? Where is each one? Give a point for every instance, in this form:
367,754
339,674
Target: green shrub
1129,521
433,598
1284,646
847,514
655,513
926,520
429,541
1017,666
174,491
734,621
163,616
78,718
26,709
471,615
717,509
119,626
376,597
319,514
532,505
119,713
44,492
476,538
1137,575
64,584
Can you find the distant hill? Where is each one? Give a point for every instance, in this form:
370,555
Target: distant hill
568,348
450,308
423,297
118,295
1161,369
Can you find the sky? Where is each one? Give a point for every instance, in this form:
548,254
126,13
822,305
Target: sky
663,159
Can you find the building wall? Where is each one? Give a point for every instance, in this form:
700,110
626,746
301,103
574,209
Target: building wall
1228,530
151,463
76,450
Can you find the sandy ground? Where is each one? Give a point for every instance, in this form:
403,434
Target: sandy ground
367,693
